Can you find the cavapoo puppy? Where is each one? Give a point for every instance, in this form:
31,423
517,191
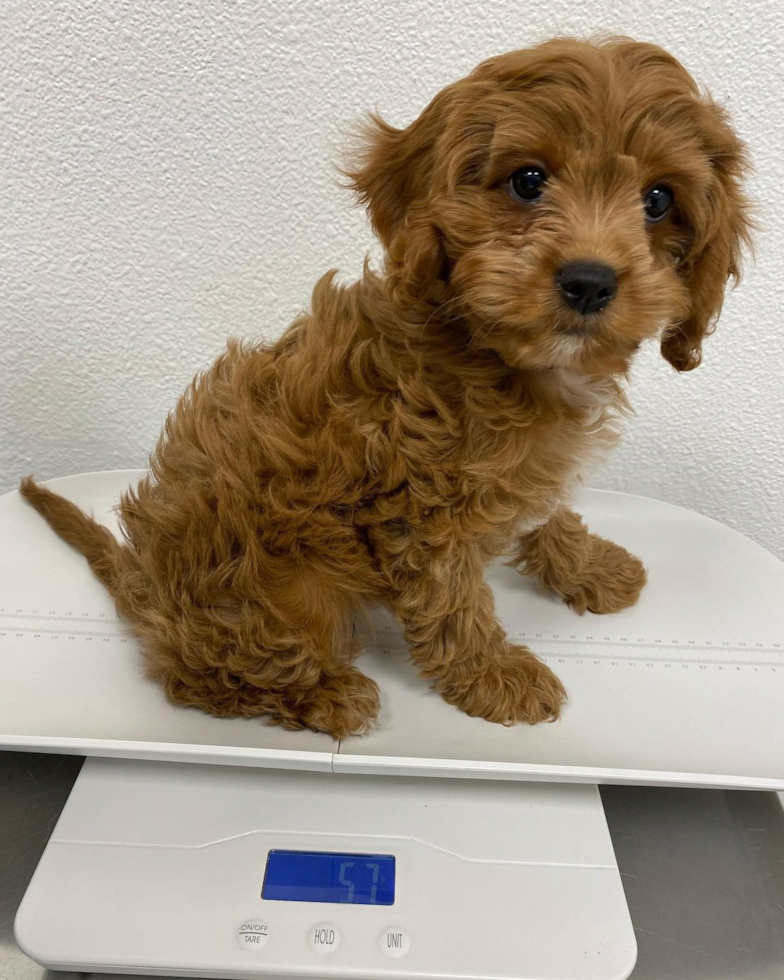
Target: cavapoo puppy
540,219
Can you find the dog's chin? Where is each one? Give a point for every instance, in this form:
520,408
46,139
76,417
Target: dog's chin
578,349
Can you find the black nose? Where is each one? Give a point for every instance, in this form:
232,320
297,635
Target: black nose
587,286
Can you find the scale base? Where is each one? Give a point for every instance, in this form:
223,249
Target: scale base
157,868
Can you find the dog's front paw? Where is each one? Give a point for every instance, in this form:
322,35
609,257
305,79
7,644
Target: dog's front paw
515,687
611,580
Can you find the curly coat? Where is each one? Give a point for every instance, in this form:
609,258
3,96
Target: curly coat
431,416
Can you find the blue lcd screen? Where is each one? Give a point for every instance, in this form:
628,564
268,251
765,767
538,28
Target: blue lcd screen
324,876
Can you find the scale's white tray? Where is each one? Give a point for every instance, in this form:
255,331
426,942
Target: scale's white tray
685,688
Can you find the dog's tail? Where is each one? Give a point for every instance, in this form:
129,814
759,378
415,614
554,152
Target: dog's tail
93,540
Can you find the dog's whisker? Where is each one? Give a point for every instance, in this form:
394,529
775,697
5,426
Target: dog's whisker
454,301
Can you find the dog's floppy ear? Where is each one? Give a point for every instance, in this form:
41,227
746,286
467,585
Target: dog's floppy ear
393,167
393,176
721,227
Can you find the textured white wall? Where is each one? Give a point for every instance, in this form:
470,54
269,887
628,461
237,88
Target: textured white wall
166,180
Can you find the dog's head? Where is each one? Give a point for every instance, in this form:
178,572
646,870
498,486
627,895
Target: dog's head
567,201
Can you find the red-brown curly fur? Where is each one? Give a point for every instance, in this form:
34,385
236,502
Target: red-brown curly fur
427,418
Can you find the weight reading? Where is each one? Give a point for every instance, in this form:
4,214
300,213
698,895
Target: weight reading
329,877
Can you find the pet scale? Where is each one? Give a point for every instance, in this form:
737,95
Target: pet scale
273,858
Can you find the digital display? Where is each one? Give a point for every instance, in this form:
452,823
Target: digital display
324,876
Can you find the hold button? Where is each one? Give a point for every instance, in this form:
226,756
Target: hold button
324,937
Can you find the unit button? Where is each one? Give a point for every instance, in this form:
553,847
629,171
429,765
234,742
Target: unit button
394,942
324,937
252,935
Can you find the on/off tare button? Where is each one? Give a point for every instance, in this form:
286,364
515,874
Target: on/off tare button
394,942
324,937
252,935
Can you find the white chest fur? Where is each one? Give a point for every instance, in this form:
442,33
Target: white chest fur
596,404
583,392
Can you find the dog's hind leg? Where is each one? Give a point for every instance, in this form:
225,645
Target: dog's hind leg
588,572
236,659
340,702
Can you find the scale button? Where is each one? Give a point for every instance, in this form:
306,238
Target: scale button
324,937
394,941
252,935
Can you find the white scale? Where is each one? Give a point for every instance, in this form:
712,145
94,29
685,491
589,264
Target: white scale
291,854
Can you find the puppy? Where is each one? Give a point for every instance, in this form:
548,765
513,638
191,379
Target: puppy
541,219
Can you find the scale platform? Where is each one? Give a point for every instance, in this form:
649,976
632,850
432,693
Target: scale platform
272,859
685,688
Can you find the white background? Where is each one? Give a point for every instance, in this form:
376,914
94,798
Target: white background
166,179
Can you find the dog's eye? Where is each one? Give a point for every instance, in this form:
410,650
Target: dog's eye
527,183
657,203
